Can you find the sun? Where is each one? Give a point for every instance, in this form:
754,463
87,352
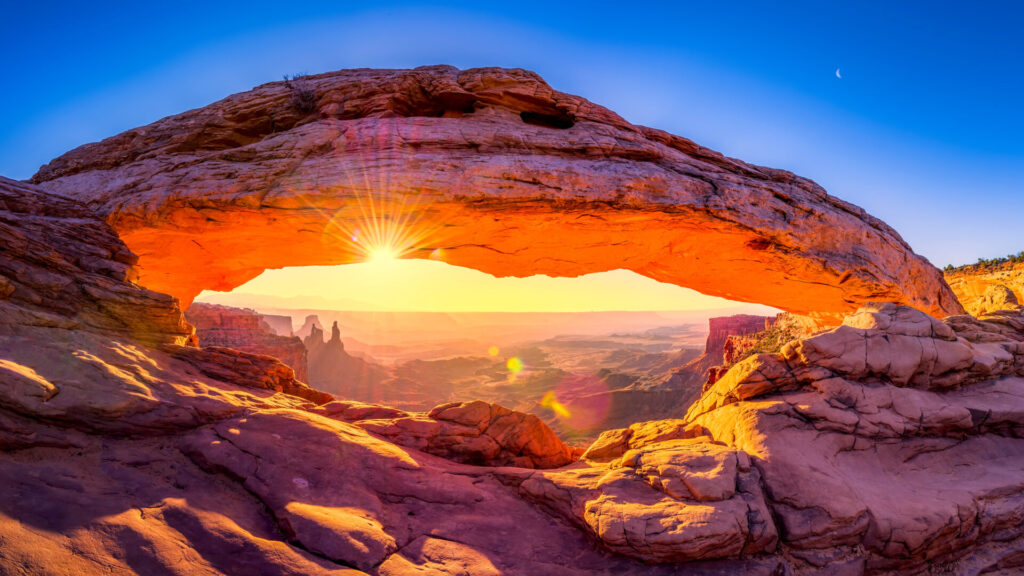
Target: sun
381,254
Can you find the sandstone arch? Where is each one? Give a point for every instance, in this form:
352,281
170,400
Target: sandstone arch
485,168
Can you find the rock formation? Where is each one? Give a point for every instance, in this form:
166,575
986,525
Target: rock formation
688,380
888,444
281,325
985,289
485,168
312,321
248,331
334,370
719,332
777,332
469,432
84,348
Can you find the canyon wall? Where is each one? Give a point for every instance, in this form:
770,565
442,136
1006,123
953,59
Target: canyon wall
248,331
985,289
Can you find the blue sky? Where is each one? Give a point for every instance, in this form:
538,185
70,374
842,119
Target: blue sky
924,129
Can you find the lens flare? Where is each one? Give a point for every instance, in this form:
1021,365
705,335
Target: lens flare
493,350
514,365
549,401
585,400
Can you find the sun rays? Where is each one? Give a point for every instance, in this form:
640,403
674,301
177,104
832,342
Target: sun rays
379,219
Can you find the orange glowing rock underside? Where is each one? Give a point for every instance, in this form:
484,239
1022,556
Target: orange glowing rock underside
489,169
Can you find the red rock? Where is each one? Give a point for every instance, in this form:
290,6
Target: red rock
212,197
895,434
986,289
334,370
468,432
248,331
83,347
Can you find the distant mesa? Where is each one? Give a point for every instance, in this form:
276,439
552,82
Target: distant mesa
312,322
493,167
986,289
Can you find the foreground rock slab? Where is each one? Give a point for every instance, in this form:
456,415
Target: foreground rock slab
888,445
486,168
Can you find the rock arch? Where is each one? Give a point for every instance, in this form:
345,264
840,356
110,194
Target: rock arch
485,168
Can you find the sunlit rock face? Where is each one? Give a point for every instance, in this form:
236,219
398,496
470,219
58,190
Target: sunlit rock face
983,290
470,432
248,331
83,348
888,444
485,168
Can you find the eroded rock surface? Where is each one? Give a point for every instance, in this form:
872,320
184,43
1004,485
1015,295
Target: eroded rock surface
888,444
986,289
248,331
486,168
469,432
81,346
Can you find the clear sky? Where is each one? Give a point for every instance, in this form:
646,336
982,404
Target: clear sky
923,129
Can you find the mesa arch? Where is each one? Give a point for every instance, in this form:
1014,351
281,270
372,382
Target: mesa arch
485,168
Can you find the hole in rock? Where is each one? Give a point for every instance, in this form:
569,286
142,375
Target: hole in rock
561,121
585,354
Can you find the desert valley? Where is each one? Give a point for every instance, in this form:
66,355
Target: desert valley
852,410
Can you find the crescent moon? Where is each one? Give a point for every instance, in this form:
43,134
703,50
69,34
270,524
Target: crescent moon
838,75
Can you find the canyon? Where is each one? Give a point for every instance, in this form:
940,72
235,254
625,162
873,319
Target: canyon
614,378
878,433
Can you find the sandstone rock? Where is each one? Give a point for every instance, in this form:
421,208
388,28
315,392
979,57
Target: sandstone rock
778,332
486,168
668,501
83,347
689,380
887,444
469,432
312,321
63,268
614,443
983,290
248,331
356,493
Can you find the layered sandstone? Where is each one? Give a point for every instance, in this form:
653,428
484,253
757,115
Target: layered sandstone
688,380
469,432
84,348
485,168
248,331
889,444
777,332
985,289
